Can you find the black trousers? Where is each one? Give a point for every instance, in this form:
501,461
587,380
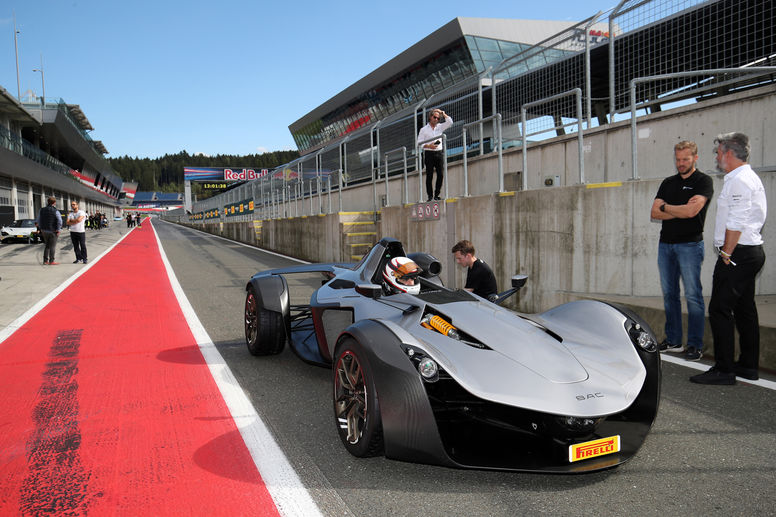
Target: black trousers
79,244
732,307
49,246
433,162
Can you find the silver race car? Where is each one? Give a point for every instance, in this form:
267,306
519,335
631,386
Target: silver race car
427,374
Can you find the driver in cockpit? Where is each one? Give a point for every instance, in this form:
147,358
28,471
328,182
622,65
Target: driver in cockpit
401,276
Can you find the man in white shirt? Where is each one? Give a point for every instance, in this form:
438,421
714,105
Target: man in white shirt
741,211
438,121
76,221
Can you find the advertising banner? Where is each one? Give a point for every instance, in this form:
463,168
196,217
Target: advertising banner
240,208
222,174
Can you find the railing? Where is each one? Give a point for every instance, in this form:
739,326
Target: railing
405,190
577,93
497,119
753,71
24,148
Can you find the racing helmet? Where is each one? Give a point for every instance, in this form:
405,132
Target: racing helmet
402,274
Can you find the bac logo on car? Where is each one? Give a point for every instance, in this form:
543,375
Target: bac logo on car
595,395
591,449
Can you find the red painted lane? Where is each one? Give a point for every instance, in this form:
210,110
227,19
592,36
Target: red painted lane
109,408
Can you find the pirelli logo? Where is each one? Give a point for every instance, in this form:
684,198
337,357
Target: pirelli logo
594,448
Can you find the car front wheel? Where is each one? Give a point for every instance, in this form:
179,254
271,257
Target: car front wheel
356,408
264,332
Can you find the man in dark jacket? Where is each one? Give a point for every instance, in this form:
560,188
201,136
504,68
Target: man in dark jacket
50,221
479,277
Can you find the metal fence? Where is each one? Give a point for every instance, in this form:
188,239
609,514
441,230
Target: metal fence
599,59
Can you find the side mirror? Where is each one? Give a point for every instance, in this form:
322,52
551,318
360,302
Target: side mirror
518,281
373,291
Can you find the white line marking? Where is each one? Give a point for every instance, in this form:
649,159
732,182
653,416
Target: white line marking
771,385
32,311
285,487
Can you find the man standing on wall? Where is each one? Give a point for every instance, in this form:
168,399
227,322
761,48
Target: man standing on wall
479,277
76,220
50,222
438,121
741,211
681,204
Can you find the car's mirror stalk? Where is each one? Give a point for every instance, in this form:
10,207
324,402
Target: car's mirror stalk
518,281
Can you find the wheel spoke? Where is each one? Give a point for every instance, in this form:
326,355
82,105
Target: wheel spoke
350,397
251,320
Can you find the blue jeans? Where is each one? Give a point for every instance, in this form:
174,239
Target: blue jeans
682,260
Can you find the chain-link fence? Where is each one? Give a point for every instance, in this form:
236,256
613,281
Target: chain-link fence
662,37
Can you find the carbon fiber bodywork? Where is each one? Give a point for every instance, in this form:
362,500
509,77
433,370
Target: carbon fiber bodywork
510,391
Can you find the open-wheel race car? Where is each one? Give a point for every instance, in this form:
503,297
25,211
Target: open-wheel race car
428,374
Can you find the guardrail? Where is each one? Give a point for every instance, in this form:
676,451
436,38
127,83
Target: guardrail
497,119
753,71
577,93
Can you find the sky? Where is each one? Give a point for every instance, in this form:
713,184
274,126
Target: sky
220,76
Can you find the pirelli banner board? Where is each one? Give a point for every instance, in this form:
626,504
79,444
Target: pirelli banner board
212,214
240,208
215,174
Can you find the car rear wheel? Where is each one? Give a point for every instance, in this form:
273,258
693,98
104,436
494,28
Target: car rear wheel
356,410
264,332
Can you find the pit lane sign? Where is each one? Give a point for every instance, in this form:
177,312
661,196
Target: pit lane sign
428,211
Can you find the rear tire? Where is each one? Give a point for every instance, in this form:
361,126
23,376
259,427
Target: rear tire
264,332
356,410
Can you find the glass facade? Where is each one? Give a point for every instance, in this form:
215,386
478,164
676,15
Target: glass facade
414,84
466,57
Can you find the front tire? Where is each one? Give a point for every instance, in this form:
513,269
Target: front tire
356,410
264,332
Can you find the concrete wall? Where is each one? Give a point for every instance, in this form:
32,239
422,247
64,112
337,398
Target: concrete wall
571,241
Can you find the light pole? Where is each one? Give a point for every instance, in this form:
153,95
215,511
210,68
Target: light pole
42,82
16,49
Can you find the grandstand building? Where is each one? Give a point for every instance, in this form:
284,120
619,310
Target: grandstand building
461,49
45,150
156,201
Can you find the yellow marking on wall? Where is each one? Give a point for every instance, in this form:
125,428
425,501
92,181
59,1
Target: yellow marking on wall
604,185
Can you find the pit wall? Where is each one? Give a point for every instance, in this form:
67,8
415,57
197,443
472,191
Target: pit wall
583,240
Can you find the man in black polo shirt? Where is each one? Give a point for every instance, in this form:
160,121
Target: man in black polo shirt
479,277
681,204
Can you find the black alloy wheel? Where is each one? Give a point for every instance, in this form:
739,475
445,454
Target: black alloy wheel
356,410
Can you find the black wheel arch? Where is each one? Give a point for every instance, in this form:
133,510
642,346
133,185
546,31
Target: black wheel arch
409,429
272,294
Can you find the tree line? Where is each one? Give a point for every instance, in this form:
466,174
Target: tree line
165,174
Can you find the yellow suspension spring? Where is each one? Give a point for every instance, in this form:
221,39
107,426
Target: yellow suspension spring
440,325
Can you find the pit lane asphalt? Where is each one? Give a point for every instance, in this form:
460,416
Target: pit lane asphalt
710,451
